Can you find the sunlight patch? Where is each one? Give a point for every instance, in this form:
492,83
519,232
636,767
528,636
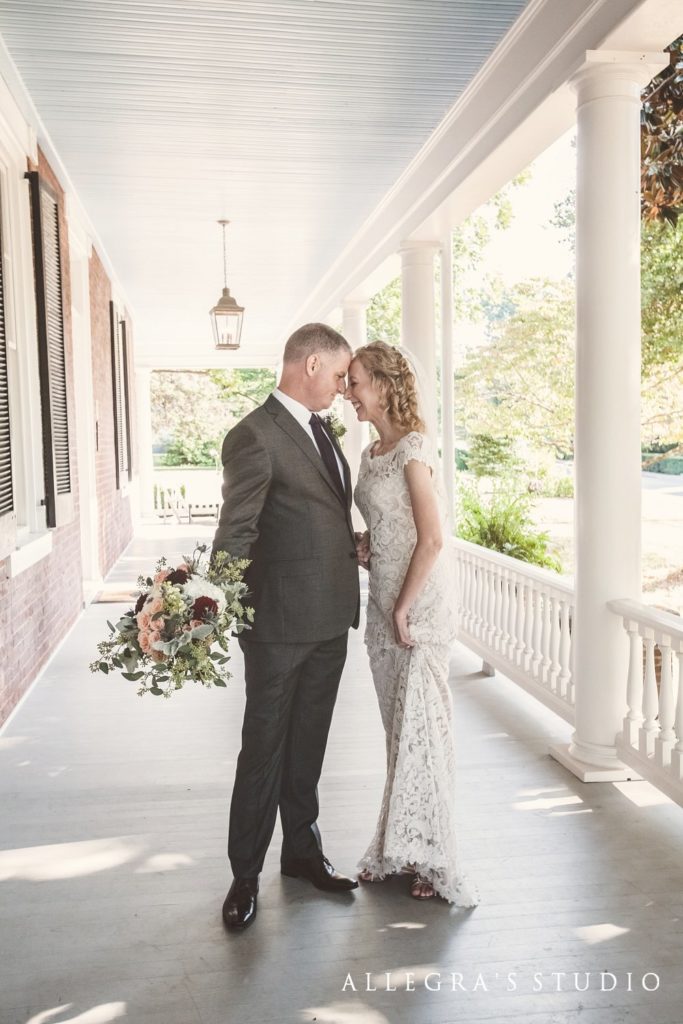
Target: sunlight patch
345,1013
164,862
642,794
546,804
96,1015
594,933
68,860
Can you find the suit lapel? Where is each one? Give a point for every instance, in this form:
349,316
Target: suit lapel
287,422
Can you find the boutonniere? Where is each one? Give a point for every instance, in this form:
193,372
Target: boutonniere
334,425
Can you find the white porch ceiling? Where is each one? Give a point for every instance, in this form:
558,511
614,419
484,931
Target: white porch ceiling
292,118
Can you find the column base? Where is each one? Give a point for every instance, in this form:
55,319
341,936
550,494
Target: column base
585,772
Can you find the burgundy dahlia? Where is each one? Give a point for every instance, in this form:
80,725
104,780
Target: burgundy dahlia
177,576
140,602
204,607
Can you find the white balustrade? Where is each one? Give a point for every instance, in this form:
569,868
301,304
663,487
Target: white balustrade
518,618
652,736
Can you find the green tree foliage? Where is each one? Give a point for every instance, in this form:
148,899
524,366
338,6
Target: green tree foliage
384,314
661,259
662,142
193,410
521,383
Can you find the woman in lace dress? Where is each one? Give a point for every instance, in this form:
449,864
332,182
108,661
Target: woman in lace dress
410,628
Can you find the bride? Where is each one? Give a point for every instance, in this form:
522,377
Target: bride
410,628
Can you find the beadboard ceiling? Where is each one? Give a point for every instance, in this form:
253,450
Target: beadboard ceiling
292,118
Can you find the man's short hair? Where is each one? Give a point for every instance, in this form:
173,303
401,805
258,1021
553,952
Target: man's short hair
311,339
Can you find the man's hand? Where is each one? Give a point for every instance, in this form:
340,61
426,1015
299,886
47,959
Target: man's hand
363,549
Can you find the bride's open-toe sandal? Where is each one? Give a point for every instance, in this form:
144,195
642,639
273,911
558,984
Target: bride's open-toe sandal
421,888
366,875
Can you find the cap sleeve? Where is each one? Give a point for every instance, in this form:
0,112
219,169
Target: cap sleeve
415,447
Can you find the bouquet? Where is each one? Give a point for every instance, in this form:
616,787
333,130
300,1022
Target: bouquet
179,628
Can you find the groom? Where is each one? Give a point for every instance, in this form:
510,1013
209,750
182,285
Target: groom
286,506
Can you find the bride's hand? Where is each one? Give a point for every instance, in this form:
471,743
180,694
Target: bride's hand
401,630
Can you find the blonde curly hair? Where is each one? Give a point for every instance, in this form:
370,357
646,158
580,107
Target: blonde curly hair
391,374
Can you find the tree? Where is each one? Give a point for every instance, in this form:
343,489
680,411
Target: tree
521,384
662,141
193,410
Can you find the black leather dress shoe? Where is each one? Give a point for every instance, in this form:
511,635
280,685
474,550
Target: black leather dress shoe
239,909
320,872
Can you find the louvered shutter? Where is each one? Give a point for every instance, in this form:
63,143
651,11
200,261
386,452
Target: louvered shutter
52,358
8,516
119,372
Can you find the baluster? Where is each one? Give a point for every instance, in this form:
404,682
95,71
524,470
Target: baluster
530,604
564,654
538,633
483,600
677,753
503,609
554,643
468,599
634,688
666,737
495,606
491,615
517,652
650,726
547,627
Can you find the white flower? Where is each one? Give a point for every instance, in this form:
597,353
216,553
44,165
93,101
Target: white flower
198,587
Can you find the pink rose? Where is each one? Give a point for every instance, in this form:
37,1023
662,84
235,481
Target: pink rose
157,656
143,620
161,576
154,606
154,636
144,641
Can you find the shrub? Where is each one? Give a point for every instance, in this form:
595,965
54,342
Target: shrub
503,522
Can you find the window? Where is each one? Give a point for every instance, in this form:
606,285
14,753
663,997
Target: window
59,499
119,371
8,515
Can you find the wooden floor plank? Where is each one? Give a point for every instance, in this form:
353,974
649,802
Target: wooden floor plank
113,864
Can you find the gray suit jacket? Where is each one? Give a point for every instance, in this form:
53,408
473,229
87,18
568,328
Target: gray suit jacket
282,510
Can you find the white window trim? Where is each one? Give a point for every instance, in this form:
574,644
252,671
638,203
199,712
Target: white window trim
32,549
21,332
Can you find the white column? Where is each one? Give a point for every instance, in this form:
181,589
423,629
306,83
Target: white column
447,396
354,329
607,439
143,382
418,322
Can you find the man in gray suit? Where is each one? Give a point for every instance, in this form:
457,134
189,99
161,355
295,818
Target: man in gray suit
287,507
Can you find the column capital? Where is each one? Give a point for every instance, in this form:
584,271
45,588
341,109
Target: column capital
621,73
417,251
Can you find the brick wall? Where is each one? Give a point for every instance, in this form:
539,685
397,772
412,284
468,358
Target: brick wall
115,525
39,605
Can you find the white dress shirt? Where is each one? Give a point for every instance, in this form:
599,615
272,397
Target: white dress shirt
303,417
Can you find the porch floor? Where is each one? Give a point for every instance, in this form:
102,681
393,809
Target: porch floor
113,865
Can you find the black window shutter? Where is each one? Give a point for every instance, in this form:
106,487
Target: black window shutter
8,516
119,373
51,352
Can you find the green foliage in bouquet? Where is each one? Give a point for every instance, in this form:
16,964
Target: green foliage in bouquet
179,629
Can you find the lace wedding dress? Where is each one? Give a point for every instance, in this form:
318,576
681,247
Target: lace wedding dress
417,822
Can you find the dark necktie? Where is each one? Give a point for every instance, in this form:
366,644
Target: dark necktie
327,451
